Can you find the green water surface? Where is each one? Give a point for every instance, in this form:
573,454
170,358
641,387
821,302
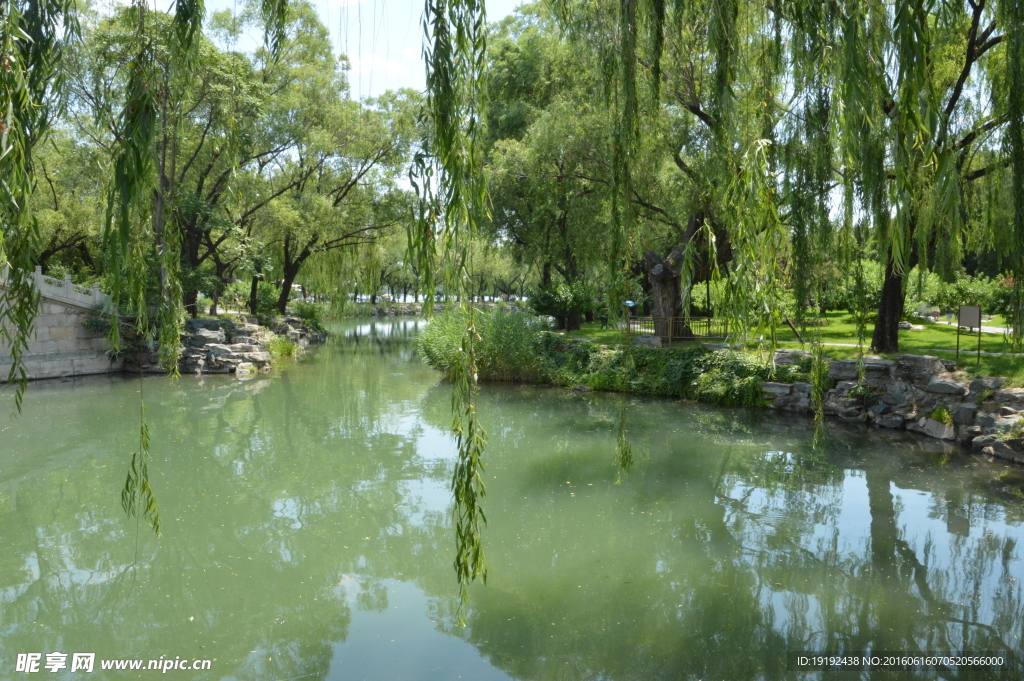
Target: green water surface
306,532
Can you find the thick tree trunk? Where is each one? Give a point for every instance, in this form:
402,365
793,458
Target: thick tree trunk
666,297
254,291
886,338
286,289
191,303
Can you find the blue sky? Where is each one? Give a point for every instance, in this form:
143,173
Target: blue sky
382,38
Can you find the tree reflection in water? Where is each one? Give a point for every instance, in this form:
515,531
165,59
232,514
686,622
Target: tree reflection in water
293,506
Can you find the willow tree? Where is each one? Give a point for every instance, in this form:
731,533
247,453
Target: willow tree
447,176
34,39
794,122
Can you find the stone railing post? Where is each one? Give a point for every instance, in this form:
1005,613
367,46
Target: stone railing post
67,283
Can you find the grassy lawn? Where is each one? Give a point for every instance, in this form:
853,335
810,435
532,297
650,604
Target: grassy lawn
933,339
609,336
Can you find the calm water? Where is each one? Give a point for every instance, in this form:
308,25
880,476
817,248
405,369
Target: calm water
306,533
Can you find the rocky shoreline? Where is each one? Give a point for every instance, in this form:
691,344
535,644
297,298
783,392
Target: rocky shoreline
919,393
214,345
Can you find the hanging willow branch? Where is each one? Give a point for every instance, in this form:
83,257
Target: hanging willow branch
141,202
1012,15
452,203
34,39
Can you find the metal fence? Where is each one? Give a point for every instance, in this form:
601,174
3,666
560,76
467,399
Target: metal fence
673,329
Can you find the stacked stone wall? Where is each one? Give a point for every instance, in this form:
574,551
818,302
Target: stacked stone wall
909,393
62,346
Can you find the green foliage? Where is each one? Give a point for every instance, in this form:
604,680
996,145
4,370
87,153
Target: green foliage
279,346
940,414
311,313
512,347
819,387
266,303
1003,299
986,395
623,448
506,349
567,303
927,289
137,497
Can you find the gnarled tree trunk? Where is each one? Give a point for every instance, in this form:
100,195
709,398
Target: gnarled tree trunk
666,297
886,337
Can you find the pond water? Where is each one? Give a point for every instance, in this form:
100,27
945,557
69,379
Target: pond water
306,532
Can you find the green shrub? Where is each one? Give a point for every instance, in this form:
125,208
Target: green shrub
507,346
940,414
279,346
517,347
567,303
310,313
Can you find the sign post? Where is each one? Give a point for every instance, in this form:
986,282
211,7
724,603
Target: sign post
969,316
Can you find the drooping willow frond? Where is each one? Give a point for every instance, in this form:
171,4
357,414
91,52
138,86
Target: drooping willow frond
34,40
1012,15
452,203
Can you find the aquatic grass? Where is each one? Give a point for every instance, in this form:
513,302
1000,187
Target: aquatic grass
279,346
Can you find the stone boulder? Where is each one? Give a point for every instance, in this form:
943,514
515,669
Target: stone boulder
894,421
788,357
919,370
1004,424
1013,397
648,341
980,385
982,441
1011,450
201,337
933,428
963,414
211,324
773,390
843,370
946,386
878,370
